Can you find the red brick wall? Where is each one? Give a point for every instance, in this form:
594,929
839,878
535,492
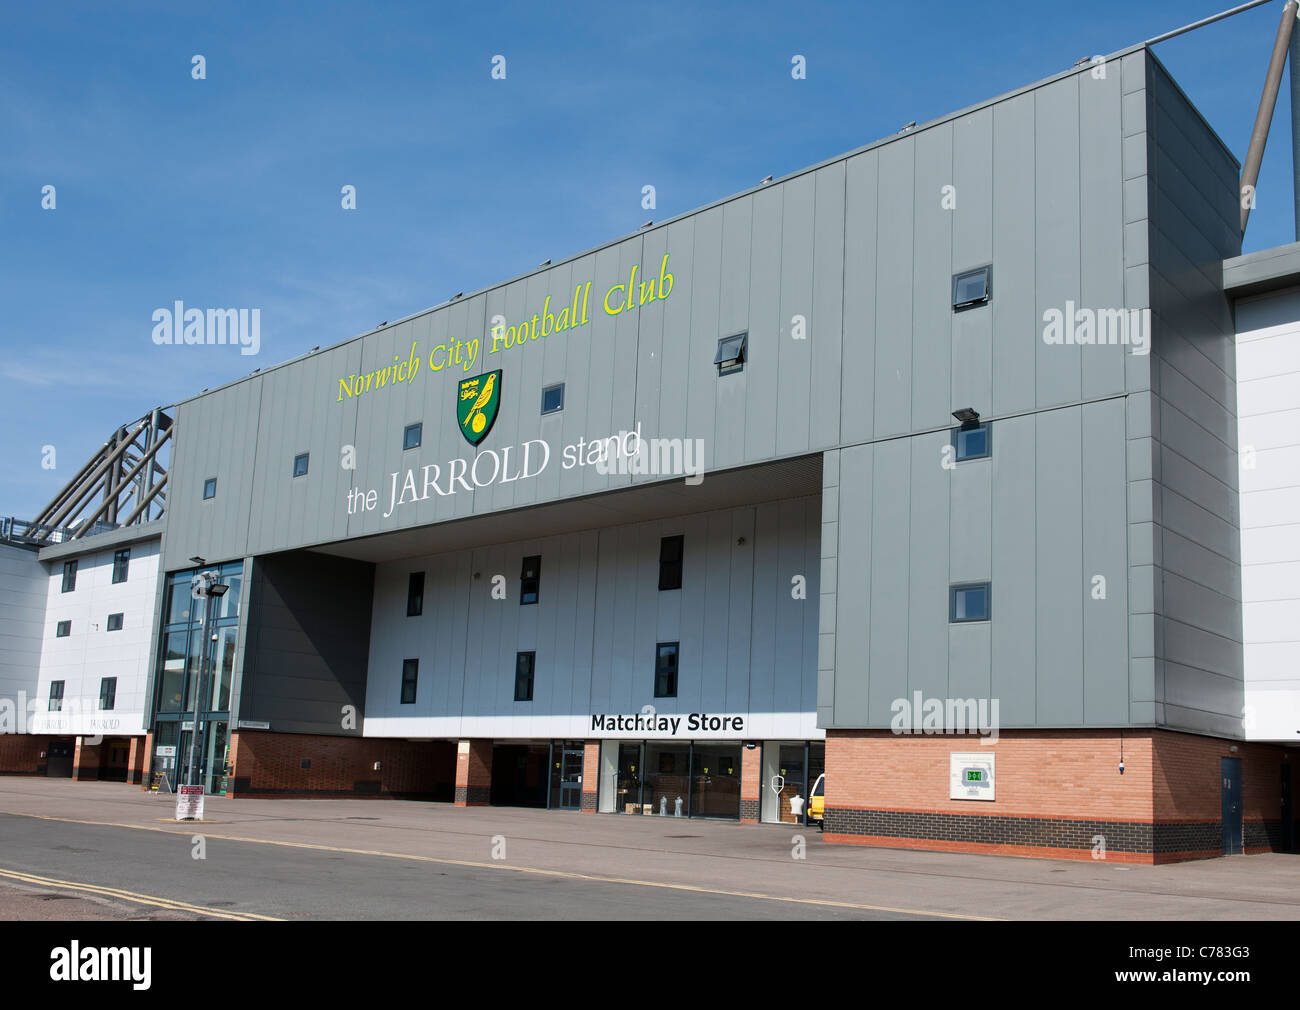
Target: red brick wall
135,758
751,785
1040,773
271,764
590,775
85,761
22,754
473,772
1046,778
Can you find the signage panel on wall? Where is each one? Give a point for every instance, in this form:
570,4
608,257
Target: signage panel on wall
970,776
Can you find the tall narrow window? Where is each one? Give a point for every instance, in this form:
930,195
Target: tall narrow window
209,488
666,670
670,562
56,696
410,674
525,664
530,579
69,576
107,693
121,559
300,464
415,594
411,435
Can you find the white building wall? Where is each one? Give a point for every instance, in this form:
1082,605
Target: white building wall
23,589
1268,412
91,652
748,643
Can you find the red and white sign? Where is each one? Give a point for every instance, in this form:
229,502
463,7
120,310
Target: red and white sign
189,803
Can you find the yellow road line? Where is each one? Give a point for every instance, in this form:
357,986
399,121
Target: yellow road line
538,871
133,896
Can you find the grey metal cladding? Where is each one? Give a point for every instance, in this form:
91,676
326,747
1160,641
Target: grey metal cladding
1103,193
309,634
1195,588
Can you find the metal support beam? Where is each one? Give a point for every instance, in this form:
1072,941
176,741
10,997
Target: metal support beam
1259,135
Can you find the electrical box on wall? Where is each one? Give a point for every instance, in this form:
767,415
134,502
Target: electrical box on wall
970,776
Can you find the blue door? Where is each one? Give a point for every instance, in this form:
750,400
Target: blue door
1231,775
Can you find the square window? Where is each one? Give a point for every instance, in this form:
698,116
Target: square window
411,435
972,441
410,674
670,562
415,594
69,576
120,561
971,601
525,665
63,629
553,399
209,488
972,288
300,464
530,580
107,693
666,670
114,622
731,353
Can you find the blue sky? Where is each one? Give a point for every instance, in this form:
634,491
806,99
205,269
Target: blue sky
226,191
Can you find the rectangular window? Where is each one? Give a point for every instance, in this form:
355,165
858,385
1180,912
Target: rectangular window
209,488
670,562
530,580
553,398
121,560
666,670
525,664
970,601
731,353
972,288
69,576
114,622
107,694
972,441
56,696
411,435
63,629
410,674
300,464
415,594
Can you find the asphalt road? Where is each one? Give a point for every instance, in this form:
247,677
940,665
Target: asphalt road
244,878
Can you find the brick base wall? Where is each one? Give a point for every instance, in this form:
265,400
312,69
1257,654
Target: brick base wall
751,786
292,764
473,773
1059,793
23,753
85,761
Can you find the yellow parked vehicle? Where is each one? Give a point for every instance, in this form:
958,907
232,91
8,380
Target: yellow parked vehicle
817,804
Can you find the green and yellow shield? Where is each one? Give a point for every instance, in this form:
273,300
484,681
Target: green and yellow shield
477,400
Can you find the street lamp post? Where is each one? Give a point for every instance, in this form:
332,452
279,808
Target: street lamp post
210,589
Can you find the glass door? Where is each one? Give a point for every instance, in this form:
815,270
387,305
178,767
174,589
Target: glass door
571,778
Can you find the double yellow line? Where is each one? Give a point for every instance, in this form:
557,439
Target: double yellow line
34,880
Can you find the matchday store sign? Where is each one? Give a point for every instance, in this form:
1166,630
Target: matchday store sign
651,724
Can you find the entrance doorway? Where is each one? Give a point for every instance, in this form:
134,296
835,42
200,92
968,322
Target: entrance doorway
58,759
1231,804
519,775
566,774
